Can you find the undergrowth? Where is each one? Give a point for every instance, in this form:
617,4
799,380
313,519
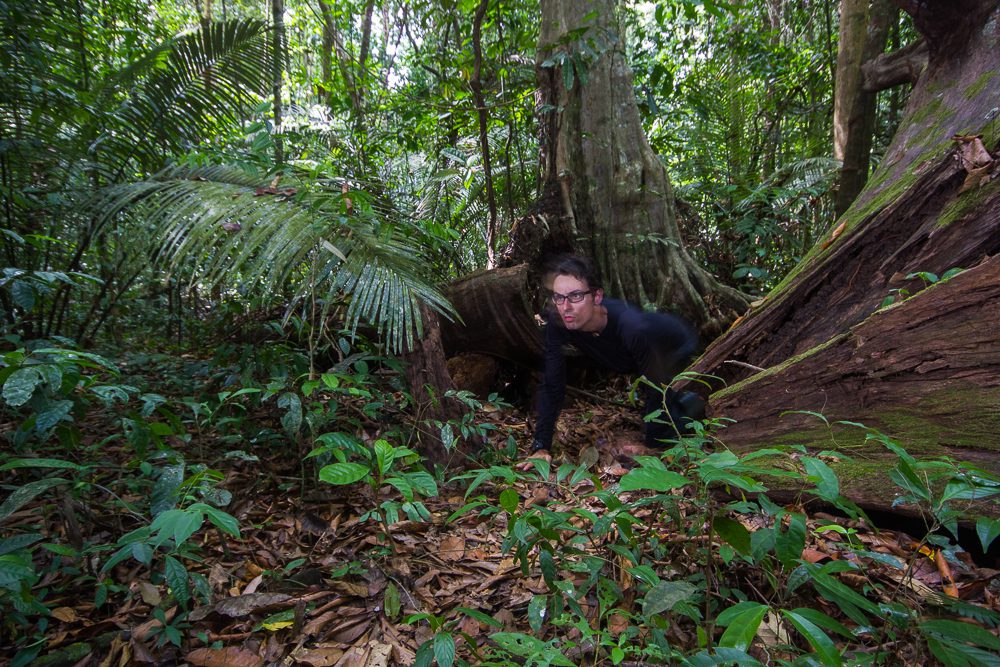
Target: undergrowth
115,493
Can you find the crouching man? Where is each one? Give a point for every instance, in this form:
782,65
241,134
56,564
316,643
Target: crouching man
620,337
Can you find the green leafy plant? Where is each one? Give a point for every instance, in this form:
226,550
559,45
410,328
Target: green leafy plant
380,465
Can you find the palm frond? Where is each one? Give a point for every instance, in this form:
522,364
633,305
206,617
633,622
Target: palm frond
225,224
187,86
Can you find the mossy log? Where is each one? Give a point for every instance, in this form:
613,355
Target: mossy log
925,371
497,309
918,213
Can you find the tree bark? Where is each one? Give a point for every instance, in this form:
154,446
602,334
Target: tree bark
428,378
864,31
899,67
277,75
926,369
482,116
497,309
613,198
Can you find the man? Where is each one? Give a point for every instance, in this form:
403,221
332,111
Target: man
619,337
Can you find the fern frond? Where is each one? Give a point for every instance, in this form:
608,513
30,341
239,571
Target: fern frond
224,225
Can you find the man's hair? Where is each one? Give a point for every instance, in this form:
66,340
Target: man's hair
581,268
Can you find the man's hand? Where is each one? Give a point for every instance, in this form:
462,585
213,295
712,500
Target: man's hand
528,463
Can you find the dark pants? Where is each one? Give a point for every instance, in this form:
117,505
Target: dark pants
671,344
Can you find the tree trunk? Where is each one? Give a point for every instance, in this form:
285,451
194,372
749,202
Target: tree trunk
277,75
863,35
429,381
613,199
926,369
899,67
497,309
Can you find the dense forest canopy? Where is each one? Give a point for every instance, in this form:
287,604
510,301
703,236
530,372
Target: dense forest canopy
239,239
381,101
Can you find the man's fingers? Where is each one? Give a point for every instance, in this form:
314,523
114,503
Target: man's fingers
527,464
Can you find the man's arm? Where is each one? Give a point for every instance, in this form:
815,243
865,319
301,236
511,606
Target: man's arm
552,390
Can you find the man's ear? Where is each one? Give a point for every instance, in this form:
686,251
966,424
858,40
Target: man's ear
598,296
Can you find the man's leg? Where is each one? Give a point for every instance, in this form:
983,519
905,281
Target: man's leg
677,411
671,344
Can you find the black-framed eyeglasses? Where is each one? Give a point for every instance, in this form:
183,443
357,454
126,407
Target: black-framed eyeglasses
572,297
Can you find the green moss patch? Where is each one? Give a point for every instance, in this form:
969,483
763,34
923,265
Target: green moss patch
979,84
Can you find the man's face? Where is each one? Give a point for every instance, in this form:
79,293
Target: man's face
577,316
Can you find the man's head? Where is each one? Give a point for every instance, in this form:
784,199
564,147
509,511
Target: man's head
576,293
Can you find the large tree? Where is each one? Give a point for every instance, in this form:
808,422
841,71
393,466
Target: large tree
864,31
605,193
926,368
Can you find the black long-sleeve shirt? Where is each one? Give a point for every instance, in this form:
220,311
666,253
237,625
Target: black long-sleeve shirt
656,345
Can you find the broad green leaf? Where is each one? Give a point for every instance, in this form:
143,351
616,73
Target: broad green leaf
827,484
176,576
343,473
384,455
743,627
292,419
789,542
644,573
164,495
15,570
509,500
425,654
444,649
224,521
23,295
727,615
816,617
391,601
548,566
957,631
907,478
18,542
537,608
20,496
41,463
850,601
423,482
710,475
51,414
987,529
519,644
734,533
21,385
950,656
824,647
176,524
665,596
652,479
142,552
479,616
402,485
722,656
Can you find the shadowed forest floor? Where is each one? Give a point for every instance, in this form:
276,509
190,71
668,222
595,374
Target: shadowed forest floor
311,581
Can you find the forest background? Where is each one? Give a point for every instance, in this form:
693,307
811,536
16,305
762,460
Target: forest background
231,232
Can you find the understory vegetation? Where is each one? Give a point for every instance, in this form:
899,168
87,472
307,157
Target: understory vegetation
222,232
231,506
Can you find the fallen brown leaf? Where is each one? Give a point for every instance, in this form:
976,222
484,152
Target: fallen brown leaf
231,656
65,614
323,655
241,605
452,548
